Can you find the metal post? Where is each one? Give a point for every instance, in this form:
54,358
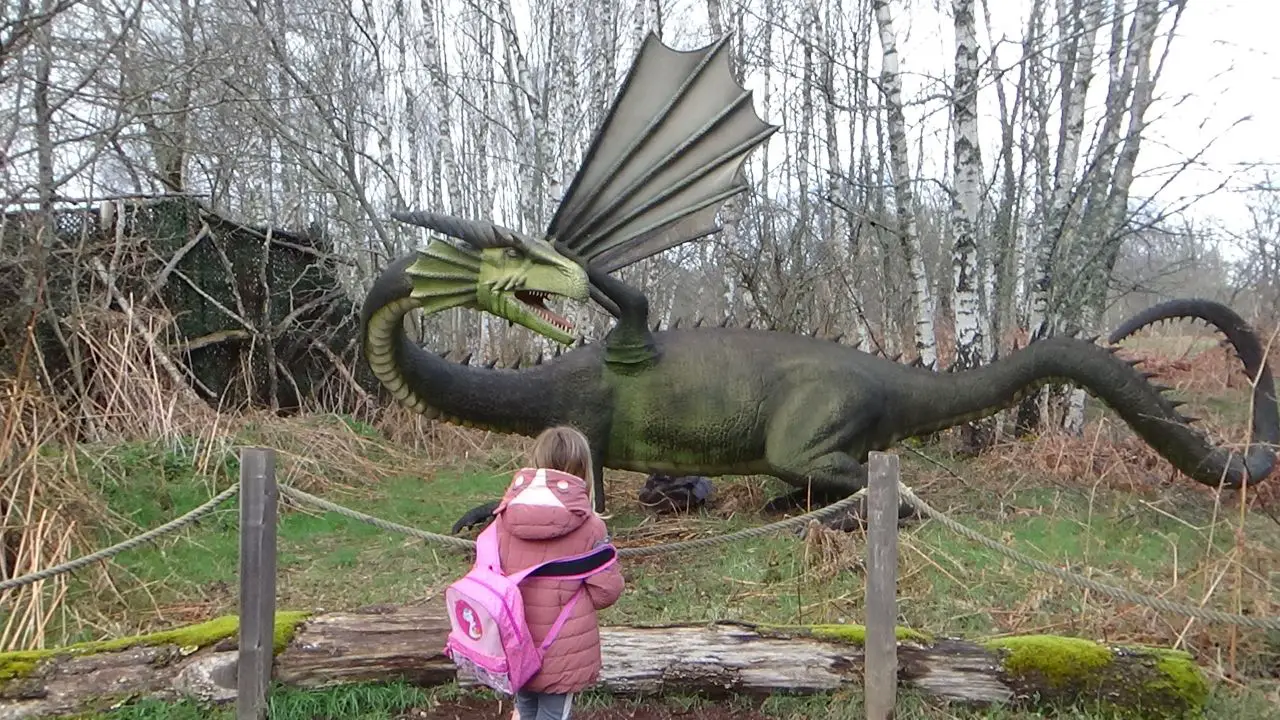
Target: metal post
258,495
881,668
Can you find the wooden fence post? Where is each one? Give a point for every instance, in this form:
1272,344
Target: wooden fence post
258,495
880,671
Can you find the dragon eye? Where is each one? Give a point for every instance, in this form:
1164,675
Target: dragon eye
512,253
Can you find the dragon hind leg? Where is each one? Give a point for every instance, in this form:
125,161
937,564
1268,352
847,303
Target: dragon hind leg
667,494
826,480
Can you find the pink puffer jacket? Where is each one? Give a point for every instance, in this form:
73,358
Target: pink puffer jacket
546,515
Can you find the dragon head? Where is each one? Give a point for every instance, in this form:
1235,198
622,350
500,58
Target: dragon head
498,271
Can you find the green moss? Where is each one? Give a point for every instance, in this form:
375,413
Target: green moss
286,625
850,633
23,662
1179,675
857,634
1173,687
1060,660
17,664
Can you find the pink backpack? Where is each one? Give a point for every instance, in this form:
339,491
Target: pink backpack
489,638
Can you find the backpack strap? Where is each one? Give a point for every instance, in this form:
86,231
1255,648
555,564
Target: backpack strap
561,619
487,547
576,567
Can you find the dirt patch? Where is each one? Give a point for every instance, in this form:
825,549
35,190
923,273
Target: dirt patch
477,709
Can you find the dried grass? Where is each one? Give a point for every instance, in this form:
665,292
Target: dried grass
128,393
829,553
37,504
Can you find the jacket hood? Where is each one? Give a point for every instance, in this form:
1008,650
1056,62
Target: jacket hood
541,503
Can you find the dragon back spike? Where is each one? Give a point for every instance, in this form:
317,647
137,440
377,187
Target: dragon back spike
477,233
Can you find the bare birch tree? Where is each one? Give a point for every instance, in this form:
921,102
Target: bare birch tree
967,164
904,197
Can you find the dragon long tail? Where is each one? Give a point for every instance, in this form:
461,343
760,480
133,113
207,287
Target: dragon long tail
953,398
1265,419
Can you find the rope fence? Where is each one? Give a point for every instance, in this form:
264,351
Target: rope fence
259,492
1155,603
680,546
170,527
452,541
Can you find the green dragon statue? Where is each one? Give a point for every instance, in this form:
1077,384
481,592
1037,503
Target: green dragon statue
718,400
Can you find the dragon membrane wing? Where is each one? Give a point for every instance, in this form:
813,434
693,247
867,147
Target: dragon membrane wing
669,153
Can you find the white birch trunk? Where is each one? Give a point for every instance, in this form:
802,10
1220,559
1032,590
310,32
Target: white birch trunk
1146,18
434,61
921,295
1078,24
731,210
965,198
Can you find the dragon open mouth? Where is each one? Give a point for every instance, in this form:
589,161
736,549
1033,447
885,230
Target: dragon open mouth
536,301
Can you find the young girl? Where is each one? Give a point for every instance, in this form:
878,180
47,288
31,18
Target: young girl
545,514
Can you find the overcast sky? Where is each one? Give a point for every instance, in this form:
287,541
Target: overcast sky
1219,71
1223,60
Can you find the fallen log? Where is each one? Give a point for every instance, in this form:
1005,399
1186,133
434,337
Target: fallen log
388,643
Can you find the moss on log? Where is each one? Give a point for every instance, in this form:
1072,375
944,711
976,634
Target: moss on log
404,643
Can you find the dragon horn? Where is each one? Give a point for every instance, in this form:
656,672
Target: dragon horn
477,233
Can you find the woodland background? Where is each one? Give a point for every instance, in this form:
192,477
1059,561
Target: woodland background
197,195
940,218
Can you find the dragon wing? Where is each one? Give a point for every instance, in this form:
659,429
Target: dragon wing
669,153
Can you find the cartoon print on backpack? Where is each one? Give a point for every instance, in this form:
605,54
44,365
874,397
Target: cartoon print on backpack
469,621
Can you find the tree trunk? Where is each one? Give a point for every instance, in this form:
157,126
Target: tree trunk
970,344
903,194
1078,24
386,643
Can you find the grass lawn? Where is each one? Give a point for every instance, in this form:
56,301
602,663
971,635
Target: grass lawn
1096,506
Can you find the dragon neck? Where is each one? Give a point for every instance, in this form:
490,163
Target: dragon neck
500,400
926,402
629,346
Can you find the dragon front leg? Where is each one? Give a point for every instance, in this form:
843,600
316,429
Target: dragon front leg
480,515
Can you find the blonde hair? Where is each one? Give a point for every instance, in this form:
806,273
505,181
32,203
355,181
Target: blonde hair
565,449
